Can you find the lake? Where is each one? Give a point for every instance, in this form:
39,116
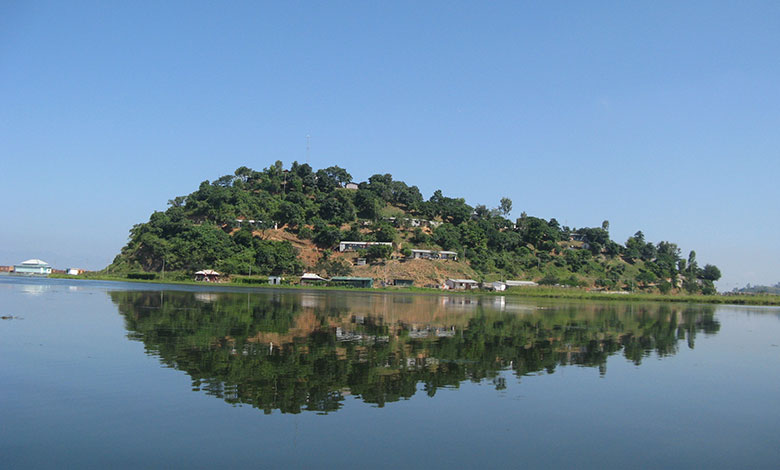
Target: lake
121,375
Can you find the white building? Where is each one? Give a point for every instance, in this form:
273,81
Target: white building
432,254
355,246
33,266
466,284
520,283
497,286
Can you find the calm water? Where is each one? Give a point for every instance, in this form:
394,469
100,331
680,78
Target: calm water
98,374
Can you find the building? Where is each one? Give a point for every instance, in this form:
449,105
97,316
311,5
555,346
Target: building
423,254
74,271
461,284
520,283
496,286
311,279
33,267
451,255
207,275
352,281
403,282
432,254
274,280
351,186
355,246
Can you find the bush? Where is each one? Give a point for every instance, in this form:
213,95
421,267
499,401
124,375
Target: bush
144,276
305,233
250,280
375,252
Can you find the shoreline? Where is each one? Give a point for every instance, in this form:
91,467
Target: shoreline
522,292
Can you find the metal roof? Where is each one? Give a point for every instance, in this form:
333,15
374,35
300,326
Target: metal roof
34,262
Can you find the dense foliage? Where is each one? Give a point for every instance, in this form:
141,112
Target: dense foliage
225,225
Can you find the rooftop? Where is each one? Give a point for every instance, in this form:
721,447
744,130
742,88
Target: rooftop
34,262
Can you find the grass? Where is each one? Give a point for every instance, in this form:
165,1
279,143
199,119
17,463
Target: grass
528,292
582,294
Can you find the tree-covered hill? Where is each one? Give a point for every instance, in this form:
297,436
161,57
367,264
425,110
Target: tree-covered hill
235,224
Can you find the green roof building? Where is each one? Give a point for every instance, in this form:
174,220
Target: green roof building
353,281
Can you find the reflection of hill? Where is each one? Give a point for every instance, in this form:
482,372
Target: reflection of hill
294,351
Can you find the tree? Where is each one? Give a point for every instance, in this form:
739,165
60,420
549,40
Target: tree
384,232
368,204
693,266
646,277
505,206
710,273
376,252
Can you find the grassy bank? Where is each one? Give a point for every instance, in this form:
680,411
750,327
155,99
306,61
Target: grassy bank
581,294
528,292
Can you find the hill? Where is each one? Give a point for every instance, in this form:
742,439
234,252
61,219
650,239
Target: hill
285,221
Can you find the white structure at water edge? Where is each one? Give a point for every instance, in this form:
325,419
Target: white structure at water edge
461,284
33,266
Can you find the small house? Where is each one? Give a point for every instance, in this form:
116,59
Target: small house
422,254
355,246
351,186
461,284
403,282
311,279
432,254
207,275
451,255
274,280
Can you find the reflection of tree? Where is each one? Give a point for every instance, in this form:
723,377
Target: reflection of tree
281,351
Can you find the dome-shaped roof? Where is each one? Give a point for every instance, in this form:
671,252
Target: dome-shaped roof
35,262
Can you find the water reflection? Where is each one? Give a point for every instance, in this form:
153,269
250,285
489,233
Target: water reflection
308,351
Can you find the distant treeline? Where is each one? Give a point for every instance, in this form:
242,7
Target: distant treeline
748,289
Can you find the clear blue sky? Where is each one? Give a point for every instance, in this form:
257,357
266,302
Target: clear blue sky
657,116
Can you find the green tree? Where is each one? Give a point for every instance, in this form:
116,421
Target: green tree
710,273
377,252
505,206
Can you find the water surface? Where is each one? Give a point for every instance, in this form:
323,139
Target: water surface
132,375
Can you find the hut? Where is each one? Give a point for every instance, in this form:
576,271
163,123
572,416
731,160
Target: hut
207,275
311,279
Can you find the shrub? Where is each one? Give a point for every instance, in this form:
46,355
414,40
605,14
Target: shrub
144,276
